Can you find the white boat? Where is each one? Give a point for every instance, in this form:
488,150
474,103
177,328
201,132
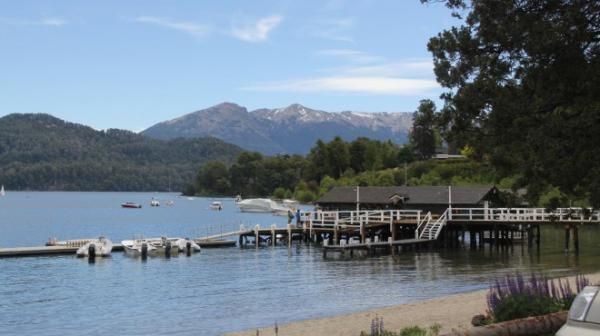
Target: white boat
2,192
164,245
291,204
139,247
173,246
170,203
154,202
260,205
187,245
100,247
216,206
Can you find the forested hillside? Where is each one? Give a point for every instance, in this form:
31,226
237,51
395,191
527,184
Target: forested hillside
41,152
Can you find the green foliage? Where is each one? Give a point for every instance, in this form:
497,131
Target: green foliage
363,161
423,132
41,152
433,330
522,88
524,305
553,198
280,193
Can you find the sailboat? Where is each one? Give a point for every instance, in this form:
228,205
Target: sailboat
2,192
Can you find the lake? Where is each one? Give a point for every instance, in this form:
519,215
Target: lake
220,290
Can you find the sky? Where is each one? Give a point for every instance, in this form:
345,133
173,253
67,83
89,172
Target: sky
131,64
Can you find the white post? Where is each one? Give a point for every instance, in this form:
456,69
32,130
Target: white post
357,198
450,202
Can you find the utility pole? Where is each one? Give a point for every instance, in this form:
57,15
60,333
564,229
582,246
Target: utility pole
357,198
405,174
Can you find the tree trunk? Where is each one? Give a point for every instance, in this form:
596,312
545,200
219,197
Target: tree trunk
538,325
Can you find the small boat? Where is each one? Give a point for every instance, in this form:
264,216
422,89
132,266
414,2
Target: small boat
2,192
154,202
100,247
169,203
131,205
139,248
216,206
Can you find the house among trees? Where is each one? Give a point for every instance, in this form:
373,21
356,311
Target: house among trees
427,198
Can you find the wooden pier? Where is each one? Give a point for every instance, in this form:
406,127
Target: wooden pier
391,230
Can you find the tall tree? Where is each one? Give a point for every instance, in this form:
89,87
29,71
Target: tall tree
523,86
422,134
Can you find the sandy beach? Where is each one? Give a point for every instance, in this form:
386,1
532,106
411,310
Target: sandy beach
453,312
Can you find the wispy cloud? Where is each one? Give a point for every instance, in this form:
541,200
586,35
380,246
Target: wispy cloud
191,28
258,31
406,77
405,68
351,55
54,22
47,21
337,29
369,85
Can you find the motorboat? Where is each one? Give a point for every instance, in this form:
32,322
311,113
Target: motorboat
216,206
261,205
131,205
2,192
154,202
172,246
187,245
100,247
291,204
139,248
164,246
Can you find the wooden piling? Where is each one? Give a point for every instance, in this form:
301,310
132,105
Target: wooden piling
576,238
273,235
567,234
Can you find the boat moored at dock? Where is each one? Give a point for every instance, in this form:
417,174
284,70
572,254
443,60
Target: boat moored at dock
100,247
139,248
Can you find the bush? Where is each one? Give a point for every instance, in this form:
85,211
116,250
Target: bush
279,193
514,298
305,196
377,329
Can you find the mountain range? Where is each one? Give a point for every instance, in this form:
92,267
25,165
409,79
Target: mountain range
290,130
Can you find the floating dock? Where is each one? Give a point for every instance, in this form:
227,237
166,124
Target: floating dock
39,251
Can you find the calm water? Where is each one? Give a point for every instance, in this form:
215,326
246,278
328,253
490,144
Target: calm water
218,290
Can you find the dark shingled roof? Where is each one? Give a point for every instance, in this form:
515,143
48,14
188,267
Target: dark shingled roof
411,195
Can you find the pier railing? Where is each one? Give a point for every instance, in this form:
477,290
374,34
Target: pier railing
524,214
358,218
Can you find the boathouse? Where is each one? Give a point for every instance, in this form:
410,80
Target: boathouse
427,198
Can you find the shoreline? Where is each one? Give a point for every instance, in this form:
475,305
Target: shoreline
452,312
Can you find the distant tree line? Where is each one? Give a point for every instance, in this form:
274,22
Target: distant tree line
297,176
41,152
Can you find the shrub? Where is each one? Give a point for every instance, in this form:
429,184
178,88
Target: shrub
514,297
279,193
377,329
304,196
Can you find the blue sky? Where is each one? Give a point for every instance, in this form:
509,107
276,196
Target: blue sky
130,64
